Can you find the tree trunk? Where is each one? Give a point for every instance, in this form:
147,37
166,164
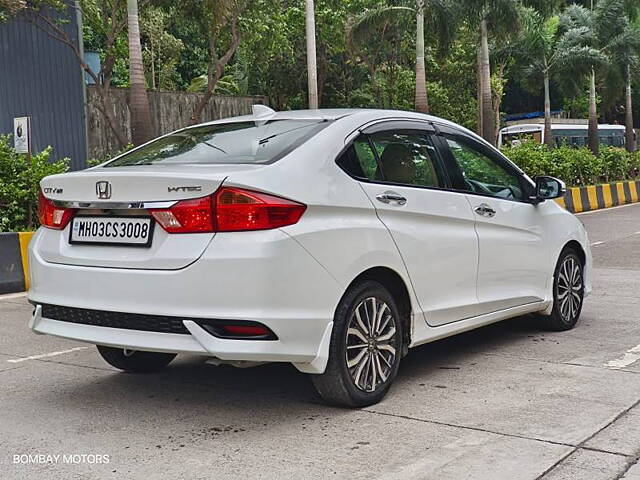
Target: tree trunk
312,71
497,98
488,128
479,90
548,133
630,137
593,141
153,66
141,130
421,101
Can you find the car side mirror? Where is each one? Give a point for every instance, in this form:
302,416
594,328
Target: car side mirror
548,188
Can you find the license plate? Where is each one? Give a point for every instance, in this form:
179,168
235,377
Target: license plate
130,231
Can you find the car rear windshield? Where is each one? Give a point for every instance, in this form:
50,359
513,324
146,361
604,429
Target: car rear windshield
258,142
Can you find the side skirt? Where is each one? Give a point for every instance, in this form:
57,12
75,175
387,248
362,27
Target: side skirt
425,334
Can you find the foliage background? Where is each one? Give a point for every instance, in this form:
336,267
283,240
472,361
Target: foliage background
575,166
19,185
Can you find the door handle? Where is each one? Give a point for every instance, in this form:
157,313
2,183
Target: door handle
485,210
388,197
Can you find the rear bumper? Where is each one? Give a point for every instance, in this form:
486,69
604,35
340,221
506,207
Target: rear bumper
198,341
263,276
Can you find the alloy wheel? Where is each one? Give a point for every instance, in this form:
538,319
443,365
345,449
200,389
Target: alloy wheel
569,288
371,337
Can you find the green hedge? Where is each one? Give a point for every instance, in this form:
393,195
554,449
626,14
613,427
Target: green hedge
575,166
19,179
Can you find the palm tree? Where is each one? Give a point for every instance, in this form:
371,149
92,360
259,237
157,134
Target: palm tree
606,27
625,62
488,16
546,51
141,130
312,70
578,18
436,15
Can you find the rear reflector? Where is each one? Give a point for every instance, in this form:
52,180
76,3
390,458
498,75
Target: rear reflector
229,210
246,330
238,330
51,216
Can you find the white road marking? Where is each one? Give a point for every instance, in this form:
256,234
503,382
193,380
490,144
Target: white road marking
626,205
8,296
631,356
594,244
45,355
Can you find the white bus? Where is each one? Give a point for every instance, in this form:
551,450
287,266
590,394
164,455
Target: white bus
564,134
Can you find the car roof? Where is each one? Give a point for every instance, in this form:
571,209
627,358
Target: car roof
266,113
360,116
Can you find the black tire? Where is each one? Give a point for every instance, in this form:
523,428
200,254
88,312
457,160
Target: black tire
568,293
135,361
337,385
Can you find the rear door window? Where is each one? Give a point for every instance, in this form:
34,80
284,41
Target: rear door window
408,158
359,160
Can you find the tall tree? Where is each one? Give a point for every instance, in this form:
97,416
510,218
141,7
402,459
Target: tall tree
161,49
583,19
219,22
435,15
141,129
488,16
312,67
545,51
625,62
606,28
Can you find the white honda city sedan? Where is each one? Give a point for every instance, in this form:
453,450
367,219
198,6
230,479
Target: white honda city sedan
335,240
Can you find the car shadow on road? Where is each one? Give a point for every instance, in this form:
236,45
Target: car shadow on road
490,339
190,380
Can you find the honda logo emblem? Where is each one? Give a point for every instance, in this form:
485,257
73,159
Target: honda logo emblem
103,190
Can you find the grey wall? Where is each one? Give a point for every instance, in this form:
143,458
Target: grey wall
169,111
40,78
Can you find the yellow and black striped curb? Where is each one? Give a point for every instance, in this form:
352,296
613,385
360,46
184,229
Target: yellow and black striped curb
14,265
595,197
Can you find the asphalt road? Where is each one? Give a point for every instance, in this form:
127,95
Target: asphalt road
509,401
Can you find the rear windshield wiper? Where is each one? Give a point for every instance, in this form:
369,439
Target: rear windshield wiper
266,139
217,148
196,141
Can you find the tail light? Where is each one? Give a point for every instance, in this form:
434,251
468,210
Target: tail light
229,210
240,210
187,216
51,216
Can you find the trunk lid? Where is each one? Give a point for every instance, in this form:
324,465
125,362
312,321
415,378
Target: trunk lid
145,183
121,192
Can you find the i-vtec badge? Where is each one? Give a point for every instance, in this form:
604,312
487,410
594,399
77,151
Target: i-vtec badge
52,190
191,188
